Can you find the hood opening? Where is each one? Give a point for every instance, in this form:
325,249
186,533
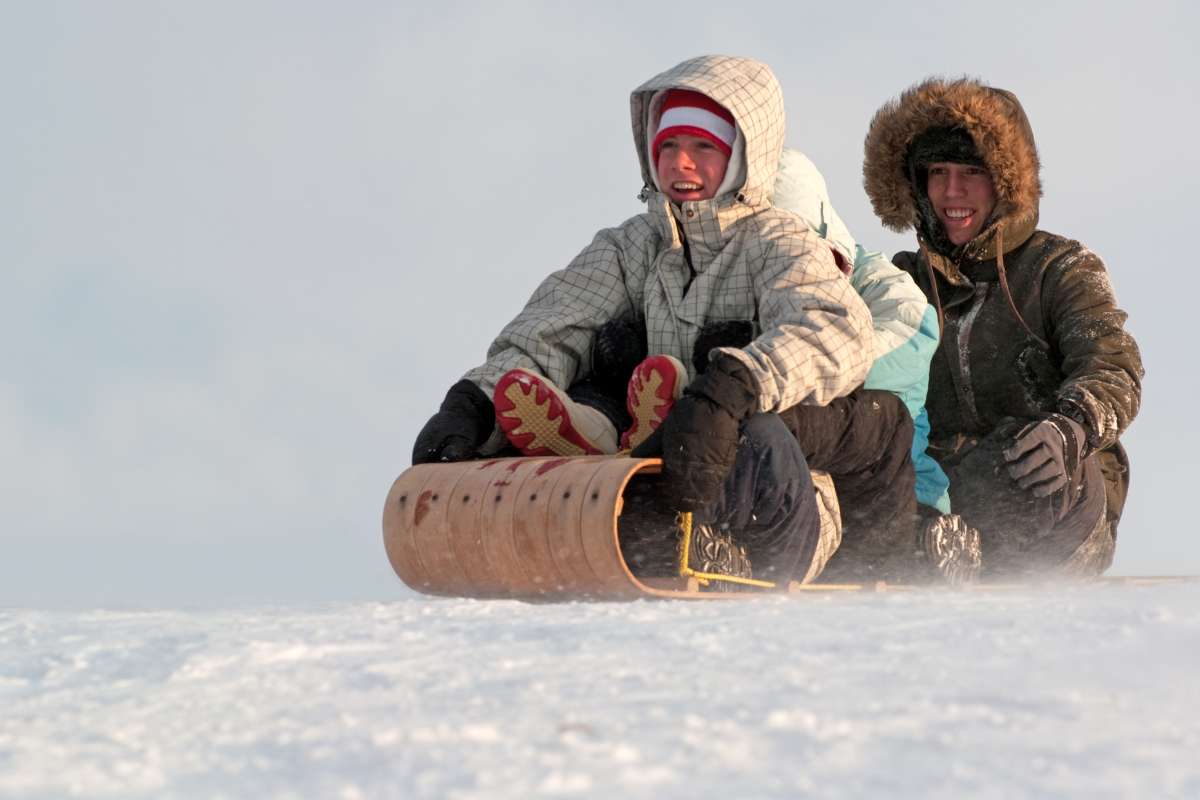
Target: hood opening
965,119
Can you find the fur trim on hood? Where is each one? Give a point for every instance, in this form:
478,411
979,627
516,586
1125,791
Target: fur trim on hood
996,123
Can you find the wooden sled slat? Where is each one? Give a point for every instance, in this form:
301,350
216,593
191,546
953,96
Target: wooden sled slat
399,523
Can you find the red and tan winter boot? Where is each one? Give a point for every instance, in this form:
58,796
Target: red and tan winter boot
540,420
656,384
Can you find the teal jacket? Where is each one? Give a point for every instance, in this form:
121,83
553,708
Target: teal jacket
905,325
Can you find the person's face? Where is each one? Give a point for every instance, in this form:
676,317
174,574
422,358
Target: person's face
962,196
690,168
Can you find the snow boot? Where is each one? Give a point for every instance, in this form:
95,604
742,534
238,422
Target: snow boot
656,384
540,420
951,547
926,547
715,552
651,540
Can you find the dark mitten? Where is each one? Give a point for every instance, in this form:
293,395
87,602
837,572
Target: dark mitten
733,333
700,435
1045,454
464,422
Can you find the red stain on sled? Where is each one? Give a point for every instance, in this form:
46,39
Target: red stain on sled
549,465
423,504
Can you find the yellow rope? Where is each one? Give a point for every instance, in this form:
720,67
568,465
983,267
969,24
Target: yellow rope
685,524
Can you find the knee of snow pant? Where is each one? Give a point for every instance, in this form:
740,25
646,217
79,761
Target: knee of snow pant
1095,555
864,442
1114,466
768,502
867,431
1021,534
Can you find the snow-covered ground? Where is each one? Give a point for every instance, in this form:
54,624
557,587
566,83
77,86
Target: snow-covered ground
1045,692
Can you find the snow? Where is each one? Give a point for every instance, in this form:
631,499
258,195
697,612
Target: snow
1079,691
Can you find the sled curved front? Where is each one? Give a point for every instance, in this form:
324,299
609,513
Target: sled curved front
528,528
532,528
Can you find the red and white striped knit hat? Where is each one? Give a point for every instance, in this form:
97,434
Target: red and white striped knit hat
694,114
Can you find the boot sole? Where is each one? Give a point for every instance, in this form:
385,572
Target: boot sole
655,386
534,419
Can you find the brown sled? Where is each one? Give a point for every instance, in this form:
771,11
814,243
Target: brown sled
534,529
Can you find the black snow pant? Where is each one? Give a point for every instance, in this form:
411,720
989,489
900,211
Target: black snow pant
864,442
1021,535
768,506
768,503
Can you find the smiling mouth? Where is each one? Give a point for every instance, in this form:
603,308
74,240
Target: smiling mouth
959,214
686,186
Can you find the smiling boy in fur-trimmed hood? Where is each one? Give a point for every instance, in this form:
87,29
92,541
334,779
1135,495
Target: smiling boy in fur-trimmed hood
1035,377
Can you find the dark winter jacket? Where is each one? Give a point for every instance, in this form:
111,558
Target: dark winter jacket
1053,339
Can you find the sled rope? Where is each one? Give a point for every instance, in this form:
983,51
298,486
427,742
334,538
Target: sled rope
685,524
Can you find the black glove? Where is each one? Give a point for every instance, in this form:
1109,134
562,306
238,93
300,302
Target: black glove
464,422
1046,453
698,439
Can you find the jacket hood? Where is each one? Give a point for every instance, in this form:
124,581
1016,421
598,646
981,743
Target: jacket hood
750,91
1002,135
800,188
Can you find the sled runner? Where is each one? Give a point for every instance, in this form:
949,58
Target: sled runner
539,529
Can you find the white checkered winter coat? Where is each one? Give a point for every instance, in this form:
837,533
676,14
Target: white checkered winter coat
751,261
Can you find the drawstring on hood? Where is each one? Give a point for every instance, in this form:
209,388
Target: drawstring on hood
1000,272
937,300
1012,306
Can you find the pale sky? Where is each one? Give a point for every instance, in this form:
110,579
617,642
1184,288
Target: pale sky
246,247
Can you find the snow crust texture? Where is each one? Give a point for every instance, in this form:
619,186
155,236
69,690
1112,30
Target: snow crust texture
1087,692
